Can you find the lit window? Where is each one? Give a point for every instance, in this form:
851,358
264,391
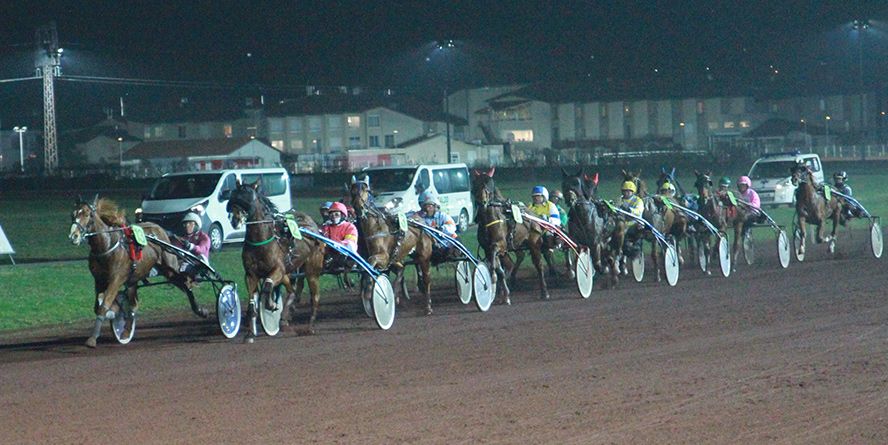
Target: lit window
729,124
279,144
147,132
744,124
354,121
373,121
158,131
518,135
700,107
227,130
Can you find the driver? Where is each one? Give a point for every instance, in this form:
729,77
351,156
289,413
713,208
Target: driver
747,194
557,198
630,202
325,212
193,241
667,190
546,210
840,183
431,215
339,229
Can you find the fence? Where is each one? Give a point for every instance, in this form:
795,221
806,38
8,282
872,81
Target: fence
840,152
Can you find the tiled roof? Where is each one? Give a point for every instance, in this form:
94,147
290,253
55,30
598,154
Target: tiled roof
186,148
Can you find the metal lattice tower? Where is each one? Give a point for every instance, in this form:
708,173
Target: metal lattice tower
49,67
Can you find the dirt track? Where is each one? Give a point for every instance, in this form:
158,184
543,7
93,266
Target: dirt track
767,355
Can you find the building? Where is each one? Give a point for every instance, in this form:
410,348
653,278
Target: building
151,158
194,118
102,144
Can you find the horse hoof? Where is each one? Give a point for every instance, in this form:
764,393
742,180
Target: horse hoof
544,296
708,272
249,339
508,302
203,313
90,342
284,322
428,311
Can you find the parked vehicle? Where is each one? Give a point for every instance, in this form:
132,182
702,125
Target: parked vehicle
399,188
770,176
208,192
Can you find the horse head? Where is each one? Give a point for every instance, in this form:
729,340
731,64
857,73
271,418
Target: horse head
578,185
82,219
801,173
636,178
361,195
703,183
483,187
243,203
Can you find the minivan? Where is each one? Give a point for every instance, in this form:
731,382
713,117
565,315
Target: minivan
771,176
175,194
399,188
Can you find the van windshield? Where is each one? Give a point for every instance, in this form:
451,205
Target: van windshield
776,169
391,180
185,186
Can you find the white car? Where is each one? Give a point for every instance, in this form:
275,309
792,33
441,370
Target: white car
771,176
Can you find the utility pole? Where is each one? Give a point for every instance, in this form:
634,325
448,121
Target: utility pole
49,66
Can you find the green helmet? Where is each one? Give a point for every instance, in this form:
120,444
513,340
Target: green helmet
724,181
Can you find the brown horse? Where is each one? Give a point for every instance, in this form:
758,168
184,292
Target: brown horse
386,247
812,207
721,213
590,223
271,256
667,221
499,233
115,262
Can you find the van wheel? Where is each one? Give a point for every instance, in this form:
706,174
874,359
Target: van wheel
216,237
463,224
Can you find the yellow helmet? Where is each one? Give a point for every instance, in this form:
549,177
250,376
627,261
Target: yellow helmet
629,185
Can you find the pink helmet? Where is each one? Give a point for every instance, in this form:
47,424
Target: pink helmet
339,207
745,180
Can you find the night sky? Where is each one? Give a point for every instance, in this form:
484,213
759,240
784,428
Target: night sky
274,47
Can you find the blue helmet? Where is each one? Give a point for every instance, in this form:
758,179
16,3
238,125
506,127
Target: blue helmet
326,205
541,191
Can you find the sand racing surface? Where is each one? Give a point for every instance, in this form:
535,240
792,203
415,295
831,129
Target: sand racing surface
765,356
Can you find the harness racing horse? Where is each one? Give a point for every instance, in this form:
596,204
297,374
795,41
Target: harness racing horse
499,233
590,223
666,220
813,207
723,215
270,257
386,246
115,261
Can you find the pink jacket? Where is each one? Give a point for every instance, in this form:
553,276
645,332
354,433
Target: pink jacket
200,244
344,232
752,198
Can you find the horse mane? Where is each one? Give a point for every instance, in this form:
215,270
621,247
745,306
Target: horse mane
109,212
269,206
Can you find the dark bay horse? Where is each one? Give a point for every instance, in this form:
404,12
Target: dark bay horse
590,223
812,207
499,233
386,247
719,211
667,221
269,256
101,224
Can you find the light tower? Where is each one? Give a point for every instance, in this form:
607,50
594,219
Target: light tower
49,66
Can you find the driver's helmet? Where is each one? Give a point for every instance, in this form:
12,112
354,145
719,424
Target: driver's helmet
540,191
429,197
339,207
668,188
839,177
724,181
745,181
557,196
629,185
326,206
192,217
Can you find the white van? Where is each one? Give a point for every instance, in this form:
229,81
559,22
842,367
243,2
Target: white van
771,176
399,187
175,194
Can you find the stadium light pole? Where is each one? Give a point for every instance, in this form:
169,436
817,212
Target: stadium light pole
21,131
860,26
446,47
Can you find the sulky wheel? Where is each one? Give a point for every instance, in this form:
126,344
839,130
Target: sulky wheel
271,318
228,310
783,249
463,278
383,301
482,285
123,325
876,238
585,273
724,256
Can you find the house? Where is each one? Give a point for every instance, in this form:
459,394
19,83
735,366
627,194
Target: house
102,144
158,157
194,118
432,149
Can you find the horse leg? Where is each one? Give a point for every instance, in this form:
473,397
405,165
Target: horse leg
737,245
252,289
655,257
505,266
802,234
568,264
103,308
513,270
289,299
313,290
536,255
423,267
300,285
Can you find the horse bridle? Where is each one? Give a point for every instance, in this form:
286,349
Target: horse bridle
86,233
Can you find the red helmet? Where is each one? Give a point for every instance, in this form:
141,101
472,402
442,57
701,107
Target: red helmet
339,207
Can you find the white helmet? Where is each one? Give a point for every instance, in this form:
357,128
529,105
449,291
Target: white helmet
191,216
429,197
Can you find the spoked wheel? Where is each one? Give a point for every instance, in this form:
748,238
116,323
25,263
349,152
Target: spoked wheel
124,322
463,278
748,248
797,243
783,249
638,267
482,284
271,318
671,264
876,239
383,303
228,310
585,273
724,256
701,256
